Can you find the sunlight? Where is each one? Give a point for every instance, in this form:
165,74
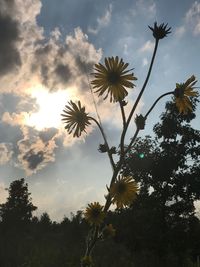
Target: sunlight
50,108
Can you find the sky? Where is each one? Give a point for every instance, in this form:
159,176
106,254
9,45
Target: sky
47,51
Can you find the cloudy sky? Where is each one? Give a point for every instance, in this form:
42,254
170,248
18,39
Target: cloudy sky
47,49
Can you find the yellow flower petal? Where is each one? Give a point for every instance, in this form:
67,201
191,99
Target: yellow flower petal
113,79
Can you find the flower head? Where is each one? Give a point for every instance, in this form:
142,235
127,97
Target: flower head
108,231
161,31
94,213
140,122
76,118
123,191
112,79
86,261
182,94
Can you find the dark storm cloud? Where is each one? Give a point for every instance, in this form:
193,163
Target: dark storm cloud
9,35
36,149
63,64
48,62
63,71
33,159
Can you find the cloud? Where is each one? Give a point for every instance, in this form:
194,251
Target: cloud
180,31
147,47
102,22
146,7
28,60
5,153
61,65
192,18
36,149
9,36
144,62
3,193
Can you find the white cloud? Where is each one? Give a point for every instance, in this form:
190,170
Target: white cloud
102,22
5,153
146,7
192,18
3,193
144,62
180,31
147,47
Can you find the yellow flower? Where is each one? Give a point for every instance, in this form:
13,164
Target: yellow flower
112,79
182,94
86,261
108,231
94,213
76,118
123,191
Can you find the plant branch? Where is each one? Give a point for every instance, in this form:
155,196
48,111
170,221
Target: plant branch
106,143
123,113
168,93
147,114
138,99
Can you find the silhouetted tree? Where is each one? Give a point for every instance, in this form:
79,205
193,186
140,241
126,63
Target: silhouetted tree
16,215
167,167
18,209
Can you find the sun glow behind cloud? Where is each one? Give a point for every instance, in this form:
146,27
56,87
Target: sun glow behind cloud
50,106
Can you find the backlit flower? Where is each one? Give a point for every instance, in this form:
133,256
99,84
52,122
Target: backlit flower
94,213
182,94
161,31
123,191
75,118
112,79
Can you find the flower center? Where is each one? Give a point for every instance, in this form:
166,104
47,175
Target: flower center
179,92
113,77
80,117
121,188
95,213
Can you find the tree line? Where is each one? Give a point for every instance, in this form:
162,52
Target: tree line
161,228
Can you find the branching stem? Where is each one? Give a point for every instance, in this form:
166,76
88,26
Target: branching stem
106,143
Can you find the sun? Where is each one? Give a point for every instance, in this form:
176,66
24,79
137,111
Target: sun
50,106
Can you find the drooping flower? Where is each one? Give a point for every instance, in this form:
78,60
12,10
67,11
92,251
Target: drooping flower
182,94
161,31
86,261
94,213
108,231
112,79
75,118
123,191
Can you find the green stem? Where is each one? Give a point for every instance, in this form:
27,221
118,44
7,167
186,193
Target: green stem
106,143
151,108
123,113
132,140
138,99
92,244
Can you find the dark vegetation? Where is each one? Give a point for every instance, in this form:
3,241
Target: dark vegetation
159,229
